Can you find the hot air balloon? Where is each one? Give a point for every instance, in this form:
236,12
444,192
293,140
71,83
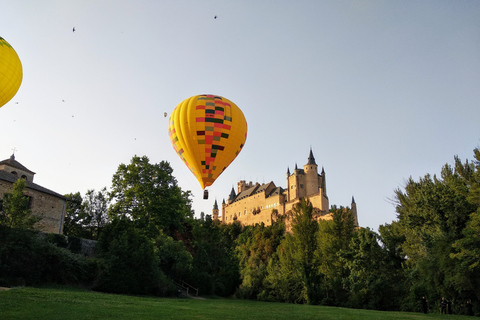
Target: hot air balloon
207,132
10,72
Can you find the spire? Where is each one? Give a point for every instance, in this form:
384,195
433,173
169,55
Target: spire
215,205
311,159
233,195
296,167
288,171
323,171
353,200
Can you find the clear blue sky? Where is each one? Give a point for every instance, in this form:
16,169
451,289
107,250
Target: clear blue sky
380,90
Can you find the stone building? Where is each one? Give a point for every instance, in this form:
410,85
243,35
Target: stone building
262,203
44,203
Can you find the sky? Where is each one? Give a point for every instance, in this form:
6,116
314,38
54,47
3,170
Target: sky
379,90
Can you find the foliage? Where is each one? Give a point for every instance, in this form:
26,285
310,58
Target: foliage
14,211
128,261
29,258
96,206
215,264
74,216
438,218
333,236
174,259
86,217
305,229
370,280
255,247
148,194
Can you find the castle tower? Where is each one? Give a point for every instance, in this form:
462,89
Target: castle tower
354,212
215,210
288,185
232,196
311,176
223,210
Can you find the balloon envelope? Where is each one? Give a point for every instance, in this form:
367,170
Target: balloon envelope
10,72
207,132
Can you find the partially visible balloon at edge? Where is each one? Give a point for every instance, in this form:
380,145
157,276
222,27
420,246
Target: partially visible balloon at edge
207,132
11,72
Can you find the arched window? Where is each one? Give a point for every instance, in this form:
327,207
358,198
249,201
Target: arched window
14,173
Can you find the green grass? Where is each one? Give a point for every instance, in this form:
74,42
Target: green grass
68,303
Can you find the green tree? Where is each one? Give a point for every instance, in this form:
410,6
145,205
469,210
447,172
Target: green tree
255,247
334,236
284,281
370,279
174,259
149,195
128,261
86,217
95,206
466,250
214,260
14,211
73,225
435,215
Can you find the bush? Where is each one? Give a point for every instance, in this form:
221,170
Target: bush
128,261
29,258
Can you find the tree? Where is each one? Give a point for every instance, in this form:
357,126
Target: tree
95,205
74,214
214,260
435,216
334,236
369,280
149,195
255,248
128,261
304,229
86,217
14,211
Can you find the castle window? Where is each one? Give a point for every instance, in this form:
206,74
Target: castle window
301,186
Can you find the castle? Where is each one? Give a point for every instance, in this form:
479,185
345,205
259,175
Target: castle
263,203
44,203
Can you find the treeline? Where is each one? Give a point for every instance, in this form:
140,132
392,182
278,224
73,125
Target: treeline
147,237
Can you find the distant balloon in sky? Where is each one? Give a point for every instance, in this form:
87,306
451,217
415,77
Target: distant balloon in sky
207,132
10,72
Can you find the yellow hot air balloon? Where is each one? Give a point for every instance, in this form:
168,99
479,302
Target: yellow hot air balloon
10,72
207,132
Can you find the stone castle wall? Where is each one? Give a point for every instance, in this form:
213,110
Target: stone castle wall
45,206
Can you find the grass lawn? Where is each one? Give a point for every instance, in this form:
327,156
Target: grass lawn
68,303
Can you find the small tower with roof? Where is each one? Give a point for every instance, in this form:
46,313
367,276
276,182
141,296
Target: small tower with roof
354,212
311,175
215,210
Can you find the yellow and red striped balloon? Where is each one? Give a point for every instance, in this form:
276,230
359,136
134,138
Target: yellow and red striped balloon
207,132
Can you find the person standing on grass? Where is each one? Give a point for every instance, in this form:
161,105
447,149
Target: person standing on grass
424,304
469,308
443,306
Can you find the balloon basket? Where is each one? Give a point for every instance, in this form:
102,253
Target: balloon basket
205,194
